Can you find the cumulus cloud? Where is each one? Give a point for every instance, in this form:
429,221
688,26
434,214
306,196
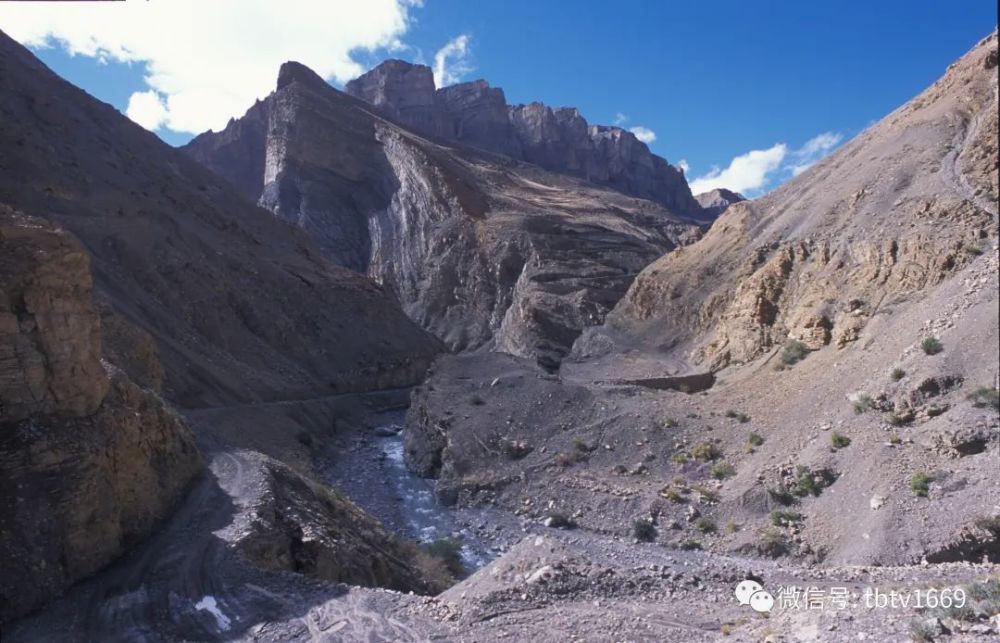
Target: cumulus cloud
755,171
451,62
745,173
208,61
644,134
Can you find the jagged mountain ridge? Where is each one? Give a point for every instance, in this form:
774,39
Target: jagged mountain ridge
478,249
557,139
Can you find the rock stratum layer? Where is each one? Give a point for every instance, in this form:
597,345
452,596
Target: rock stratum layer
89,461
479,249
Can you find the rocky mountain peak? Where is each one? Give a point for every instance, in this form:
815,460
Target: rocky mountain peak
292,72
716,201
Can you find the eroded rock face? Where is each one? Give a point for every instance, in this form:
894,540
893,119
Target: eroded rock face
50,345
478,251
715,202
89,462
557,139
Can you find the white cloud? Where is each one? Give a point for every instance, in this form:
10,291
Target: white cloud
746,173
683,164
147,109
208,61
620,118
451,62
754,171
644,134
815,148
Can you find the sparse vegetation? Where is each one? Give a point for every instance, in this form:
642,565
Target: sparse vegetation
793,352
739,416
644,530
931,345
705,526
863,403
811,483
706,451
897,374
755,439
920,484
449,552
984,397
559,520
781,517
772,543
673,494
680,457
722,470
895,439
839,440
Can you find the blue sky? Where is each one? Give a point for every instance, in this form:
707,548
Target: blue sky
757,90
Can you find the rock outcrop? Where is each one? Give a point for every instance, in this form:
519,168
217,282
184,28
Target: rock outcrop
714,202
476,249
89,461
558,139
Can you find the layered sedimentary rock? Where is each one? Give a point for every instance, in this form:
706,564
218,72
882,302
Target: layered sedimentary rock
557,139
477,249
89,461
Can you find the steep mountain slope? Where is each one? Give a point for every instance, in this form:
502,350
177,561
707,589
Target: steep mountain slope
860,442
479,249
241,305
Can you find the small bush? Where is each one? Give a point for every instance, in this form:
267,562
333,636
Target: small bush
863,403
559,520
897,374
644,530
705,526
781,517
739,416
755,439
706,451
984,397
476,400
895,439
793,352
920,484
839,440
679,458
722,470
673,494
772,543
449,552
811,483
931,345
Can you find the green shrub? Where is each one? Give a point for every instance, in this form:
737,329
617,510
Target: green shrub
448,551
839,441
706,451
781,517
772,543
931,345
705,526
811,483
755,439
644,530
722,470
739,416
897,374
863,403
793,352
920,483
985,396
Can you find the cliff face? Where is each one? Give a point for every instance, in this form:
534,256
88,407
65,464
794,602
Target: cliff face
559,139
241,305
89,461
478,250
